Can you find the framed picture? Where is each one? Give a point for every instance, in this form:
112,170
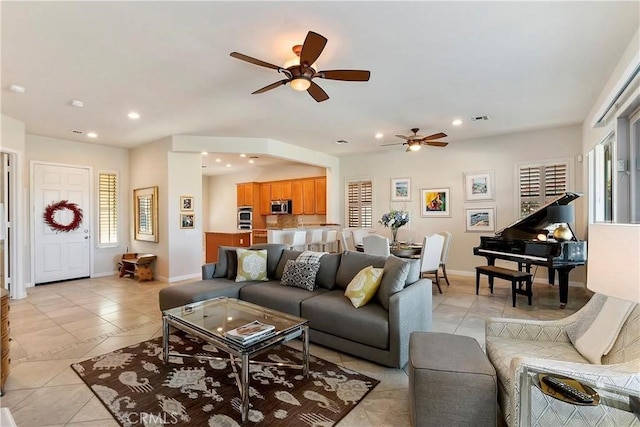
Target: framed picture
400,189
435,202
480,219
145,213
187,221
186,203
478,185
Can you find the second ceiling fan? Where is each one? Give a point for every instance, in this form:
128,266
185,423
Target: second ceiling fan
415,142
300,75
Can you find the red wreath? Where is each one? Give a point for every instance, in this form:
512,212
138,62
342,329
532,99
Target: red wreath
50,212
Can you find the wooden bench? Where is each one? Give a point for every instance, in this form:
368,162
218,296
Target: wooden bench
134,264
514,276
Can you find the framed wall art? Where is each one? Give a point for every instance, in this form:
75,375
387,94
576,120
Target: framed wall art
435,202
400,189
478,185
480,219
145,213
186,203
187,220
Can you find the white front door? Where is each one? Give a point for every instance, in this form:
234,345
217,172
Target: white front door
60,255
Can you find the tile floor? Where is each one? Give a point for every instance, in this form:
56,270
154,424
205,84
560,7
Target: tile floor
59,324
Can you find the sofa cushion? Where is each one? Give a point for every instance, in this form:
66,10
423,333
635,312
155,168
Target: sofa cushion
274,252
352,262
414,271
326,277
300,274
232,264
287,255
275,296
364,286
178,295
221,264
333,314
393,279
252,265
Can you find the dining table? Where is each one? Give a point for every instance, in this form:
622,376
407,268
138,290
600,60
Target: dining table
401,250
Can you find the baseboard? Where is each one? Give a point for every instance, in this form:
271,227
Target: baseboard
105,274
543,280
181,278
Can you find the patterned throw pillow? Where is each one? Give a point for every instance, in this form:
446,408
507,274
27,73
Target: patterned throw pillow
300,274
364,286
252,265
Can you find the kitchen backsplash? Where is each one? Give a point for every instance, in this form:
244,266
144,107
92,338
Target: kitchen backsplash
292,221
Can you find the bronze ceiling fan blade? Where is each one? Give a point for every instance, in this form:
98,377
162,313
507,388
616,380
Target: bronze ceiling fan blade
271,86
312,47
346,75
254,61
403,137
317,93
436,143
434,136
395,143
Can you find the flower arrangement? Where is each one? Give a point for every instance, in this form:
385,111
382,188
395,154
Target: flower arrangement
395,219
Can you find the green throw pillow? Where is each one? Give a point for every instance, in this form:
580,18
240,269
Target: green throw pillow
364,286
252,265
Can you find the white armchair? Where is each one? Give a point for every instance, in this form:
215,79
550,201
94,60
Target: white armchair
517,347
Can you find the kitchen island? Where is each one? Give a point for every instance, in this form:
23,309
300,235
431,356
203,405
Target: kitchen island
215,239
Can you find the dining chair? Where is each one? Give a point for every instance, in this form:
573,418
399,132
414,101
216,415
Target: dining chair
346,241
296,239
445,254
376,245
357,234
430,257
329,238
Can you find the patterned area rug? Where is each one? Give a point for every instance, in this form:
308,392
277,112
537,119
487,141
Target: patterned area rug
139,390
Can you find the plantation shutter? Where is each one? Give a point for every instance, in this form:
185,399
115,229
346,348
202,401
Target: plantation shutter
360,204
539,183
108,208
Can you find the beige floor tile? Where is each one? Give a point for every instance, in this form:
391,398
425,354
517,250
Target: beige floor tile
35,374
94,410
66,377
356,418
13,397
114,343
51,405
94,331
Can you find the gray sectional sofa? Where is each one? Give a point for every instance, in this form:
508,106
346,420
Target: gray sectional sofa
378,331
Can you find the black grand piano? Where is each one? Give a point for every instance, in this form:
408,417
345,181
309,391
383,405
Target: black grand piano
523,242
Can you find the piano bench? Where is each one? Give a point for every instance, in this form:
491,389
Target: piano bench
514,276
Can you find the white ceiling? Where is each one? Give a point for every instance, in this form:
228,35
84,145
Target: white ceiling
525,65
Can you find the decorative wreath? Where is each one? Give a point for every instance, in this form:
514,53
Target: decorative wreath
50,213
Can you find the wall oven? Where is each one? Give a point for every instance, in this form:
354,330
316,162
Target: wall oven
245,218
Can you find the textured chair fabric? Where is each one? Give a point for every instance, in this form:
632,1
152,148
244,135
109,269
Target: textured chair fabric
445,255
376,245
516,344
357,234
451,381
346,241
430,257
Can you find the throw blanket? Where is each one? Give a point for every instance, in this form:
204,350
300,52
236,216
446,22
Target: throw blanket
310,257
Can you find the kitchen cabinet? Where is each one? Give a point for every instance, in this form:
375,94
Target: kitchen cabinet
265,198
245,194
321,195
297,198
309,196
213,240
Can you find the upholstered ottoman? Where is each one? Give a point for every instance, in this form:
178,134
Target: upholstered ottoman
451,381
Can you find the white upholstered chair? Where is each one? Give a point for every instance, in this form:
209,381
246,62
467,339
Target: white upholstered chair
357,234
376,245
346,241
314,238
329,239
296,239
430,257
443,259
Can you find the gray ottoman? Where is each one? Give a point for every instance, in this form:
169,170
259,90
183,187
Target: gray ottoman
451,381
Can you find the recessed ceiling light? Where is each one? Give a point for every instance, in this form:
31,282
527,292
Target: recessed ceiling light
133,115
456,122
77,103
341,142
204,153
92,135
251,161
218,160
243,155
228,165
17,88
378,135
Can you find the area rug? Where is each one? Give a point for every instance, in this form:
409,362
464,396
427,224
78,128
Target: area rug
138,390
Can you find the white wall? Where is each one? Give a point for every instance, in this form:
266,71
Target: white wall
99,158
444,167
222,191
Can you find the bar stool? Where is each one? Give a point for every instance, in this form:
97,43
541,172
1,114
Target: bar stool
314,237
329,238
296,239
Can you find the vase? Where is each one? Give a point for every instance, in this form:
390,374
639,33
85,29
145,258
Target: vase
394,233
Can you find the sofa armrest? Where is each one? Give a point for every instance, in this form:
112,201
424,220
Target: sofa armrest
409,310
208,270
617,381
527,329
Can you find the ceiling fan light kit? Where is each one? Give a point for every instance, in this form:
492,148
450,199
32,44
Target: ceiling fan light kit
415,142
301,71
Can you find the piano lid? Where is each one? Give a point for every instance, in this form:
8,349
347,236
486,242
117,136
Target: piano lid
536,220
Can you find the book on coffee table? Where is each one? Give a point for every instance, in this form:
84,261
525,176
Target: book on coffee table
251,331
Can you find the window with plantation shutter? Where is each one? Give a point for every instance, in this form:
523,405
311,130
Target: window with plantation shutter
360,204
108,208
540,183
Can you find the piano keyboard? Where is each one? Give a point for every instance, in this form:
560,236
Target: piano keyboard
512,255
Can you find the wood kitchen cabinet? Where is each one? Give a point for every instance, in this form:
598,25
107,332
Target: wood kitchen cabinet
297,197
309,196
280,190
321,195
246,193
214,240
265,198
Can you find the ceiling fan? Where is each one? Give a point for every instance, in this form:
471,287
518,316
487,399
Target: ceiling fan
301,71
415,141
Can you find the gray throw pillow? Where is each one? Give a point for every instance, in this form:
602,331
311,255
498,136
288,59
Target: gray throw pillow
232,264
221,264
414,271
352,262
393,279
300,274
326,277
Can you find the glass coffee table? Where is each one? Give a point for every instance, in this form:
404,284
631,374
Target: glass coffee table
210,321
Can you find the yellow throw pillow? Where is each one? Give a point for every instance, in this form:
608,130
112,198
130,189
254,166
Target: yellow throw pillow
364,286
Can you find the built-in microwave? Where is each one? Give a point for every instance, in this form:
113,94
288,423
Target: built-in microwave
280,207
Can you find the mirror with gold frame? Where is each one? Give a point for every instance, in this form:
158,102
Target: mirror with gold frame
145,206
